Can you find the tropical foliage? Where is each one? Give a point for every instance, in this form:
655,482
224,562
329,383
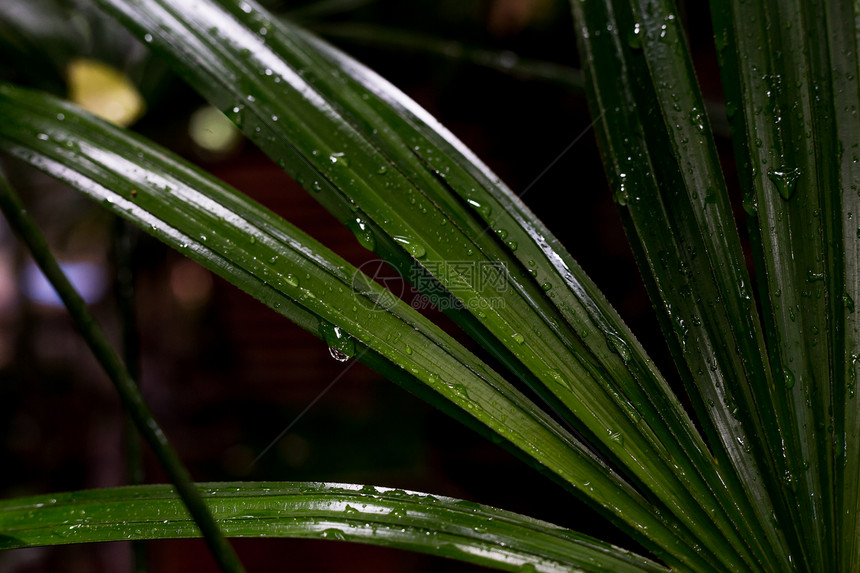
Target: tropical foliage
766,480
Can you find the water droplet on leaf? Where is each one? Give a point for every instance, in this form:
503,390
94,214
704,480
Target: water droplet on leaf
813,276
750,206
339,158
363,233
333,533
417,250
618,346
341,346
785,181
634,38
788,376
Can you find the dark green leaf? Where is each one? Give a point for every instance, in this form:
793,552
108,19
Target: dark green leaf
667,182
302,280
798,151
309,116
410,41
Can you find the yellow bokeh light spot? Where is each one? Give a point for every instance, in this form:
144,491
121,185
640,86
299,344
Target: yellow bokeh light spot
212,131
104,91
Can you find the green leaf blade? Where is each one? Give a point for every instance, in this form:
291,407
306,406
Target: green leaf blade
675,209
575,297
836,131
296,109
844,239
380,516
800,190
238,239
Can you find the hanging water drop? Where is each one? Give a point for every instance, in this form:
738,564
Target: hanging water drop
341,346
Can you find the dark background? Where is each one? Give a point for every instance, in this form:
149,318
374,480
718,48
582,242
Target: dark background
225,375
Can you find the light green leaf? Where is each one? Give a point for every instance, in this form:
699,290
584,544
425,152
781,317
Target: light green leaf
386,517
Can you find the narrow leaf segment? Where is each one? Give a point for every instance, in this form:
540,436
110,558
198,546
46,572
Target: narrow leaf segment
385,517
